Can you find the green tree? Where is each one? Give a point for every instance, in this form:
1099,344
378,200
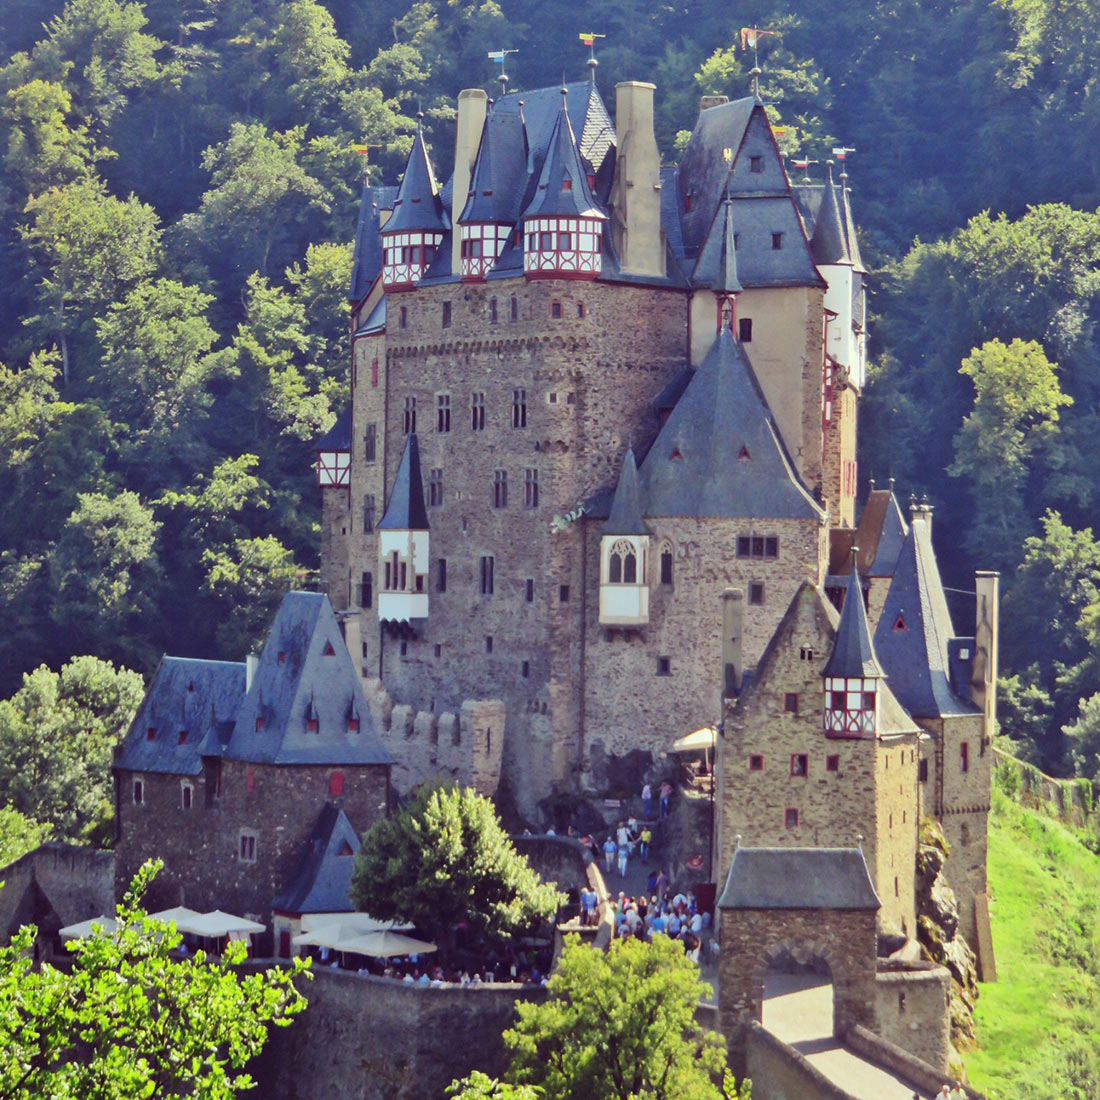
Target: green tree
618,1024
86,248
57,734
131,1020
19,835
1016,403
156,364
446,859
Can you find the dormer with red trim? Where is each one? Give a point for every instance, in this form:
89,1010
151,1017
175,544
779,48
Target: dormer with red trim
563,224
415,229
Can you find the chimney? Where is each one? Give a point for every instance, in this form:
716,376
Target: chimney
472,105
983,673
251,663
636,190
708,101
733,610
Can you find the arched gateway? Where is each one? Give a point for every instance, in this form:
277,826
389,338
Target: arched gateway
790,908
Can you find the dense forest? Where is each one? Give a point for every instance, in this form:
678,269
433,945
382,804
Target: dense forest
178,190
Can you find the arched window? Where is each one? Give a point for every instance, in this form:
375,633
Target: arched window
666,564
623,566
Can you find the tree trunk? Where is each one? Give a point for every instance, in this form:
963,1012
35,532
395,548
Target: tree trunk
64,360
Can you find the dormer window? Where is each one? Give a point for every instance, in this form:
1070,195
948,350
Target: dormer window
756,165
777,241
312,725
567,185
183,737
328,651
259,722
353,725
151,733
281,658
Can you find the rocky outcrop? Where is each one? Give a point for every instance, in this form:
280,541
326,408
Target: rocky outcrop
939,935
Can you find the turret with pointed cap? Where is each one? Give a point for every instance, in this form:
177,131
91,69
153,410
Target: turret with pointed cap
624,554
416,227
829,243
403,544
852,672
563,221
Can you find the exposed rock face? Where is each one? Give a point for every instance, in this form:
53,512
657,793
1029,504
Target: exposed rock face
939,935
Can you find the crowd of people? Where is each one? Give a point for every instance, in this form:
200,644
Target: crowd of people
662,913
510,964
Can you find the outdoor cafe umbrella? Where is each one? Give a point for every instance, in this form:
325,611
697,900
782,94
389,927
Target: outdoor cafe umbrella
218,924
383,945
329,929
88,928
176,915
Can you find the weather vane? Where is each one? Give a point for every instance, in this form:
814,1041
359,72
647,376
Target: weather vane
804,164
750,40
500,57
589,39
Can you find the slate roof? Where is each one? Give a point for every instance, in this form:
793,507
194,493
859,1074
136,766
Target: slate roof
799,878
198,698
304,671
376,322
500,171
672,393
418,205
853,654
626,509
916,657
338,437
850,224
323,878
562,166
829,243
405,510
720,453
366,262
717,266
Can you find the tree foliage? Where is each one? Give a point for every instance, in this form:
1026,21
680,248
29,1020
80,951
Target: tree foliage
131,1020
445,859
619,1024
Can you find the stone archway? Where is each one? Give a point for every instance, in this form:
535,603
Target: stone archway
794,986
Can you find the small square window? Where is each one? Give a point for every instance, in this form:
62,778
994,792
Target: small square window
756,593
790,702
259,722
438,649
756,165
183,737
247,850
336,783
139,792
187,796
446,314
281,657
492,311
555,310
488,643
832,763
744,546
441,575
403,317
525,669
250,782
353,725
580,310
771,546
664,666
744,330
151,733
806,653
777,241
964,757
374,373
790,819
756,763
800,765
922,771
529,590
563,593
513,309
404,649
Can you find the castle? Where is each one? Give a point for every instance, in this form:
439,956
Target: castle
596,487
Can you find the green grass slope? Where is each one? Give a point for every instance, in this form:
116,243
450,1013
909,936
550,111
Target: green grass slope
1039,1024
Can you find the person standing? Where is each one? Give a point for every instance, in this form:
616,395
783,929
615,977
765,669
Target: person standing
624,858
609,849
647,801
662,887
666,794
643,844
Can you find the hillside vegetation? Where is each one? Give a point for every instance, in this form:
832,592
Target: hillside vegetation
1039,1024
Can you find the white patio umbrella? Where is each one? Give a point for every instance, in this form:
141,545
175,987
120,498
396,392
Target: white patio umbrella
218,924
699,741
360,923
383,945
175,916
88,928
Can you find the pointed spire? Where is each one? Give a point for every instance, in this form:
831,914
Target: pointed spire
853,655
829,244
499,175
726,279
626,509
405,510
418,205
563,189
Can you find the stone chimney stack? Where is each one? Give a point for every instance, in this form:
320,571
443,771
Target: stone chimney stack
472,106
983,674
636,190
733,611
251,663
708,101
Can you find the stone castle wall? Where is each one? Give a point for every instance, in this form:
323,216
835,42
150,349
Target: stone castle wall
911,1005
75,883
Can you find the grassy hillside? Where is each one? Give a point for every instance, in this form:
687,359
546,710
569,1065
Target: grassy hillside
1039,1025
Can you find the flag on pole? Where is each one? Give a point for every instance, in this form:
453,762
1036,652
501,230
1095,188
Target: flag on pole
497,56
588,38
750,37
841,153
779,131
801,163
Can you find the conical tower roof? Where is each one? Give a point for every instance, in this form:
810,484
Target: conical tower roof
829,244
418,205
853,655
725,279
500,171
626,508
563,189
405,510
850,226
720,453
